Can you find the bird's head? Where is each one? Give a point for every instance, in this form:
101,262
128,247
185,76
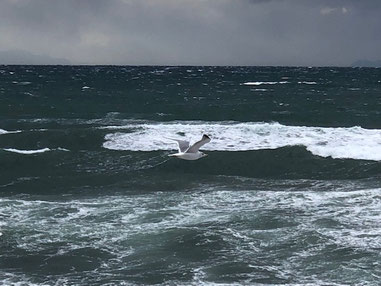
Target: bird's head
203,155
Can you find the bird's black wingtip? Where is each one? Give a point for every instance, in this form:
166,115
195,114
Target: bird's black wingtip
205,137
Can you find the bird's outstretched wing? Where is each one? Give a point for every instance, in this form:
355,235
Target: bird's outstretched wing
196,146
182,145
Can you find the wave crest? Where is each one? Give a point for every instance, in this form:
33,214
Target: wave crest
349,143
2,131
30,152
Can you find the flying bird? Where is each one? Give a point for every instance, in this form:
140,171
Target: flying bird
187,152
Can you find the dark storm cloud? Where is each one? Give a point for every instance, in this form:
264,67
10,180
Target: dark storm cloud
209,32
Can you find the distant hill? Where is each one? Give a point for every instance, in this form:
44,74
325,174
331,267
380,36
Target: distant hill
19,57
367,63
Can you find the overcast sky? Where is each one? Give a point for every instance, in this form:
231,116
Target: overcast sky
195,32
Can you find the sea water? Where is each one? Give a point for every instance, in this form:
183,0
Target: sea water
290,193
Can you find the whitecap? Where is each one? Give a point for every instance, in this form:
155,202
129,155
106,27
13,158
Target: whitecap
2,131
21,82
350,142
264,82
24,83
307,82
63,149
27,152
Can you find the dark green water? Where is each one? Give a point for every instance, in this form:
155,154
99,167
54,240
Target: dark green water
290,193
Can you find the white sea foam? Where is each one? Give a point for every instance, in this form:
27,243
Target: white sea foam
21,82
27,152
307,82
118,224
264,82
352,142
260,89
8,278
207,215
2,131
30,152
276,82
63,149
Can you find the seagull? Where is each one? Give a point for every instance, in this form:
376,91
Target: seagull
187,152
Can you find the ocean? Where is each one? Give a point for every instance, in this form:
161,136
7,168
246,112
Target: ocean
289,194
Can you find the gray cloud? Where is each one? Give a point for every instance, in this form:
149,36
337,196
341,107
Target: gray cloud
200,32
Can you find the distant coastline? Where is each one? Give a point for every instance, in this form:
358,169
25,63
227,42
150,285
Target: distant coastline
20,57
367,63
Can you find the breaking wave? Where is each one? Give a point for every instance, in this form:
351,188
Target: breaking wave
346,143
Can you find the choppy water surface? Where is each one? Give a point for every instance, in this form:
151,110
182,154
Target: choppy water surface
290,193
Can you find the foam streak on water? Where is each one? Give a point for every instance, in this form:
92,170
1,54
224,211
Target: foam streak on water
2,131
31,152
27,152
265,82
270,235
351,143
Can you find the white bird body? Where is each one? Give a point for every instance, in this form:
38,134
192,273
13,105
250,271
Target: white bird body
187,152
189,156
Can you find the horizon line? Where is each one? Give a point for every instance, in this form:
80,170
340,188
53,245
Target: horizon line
190,65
